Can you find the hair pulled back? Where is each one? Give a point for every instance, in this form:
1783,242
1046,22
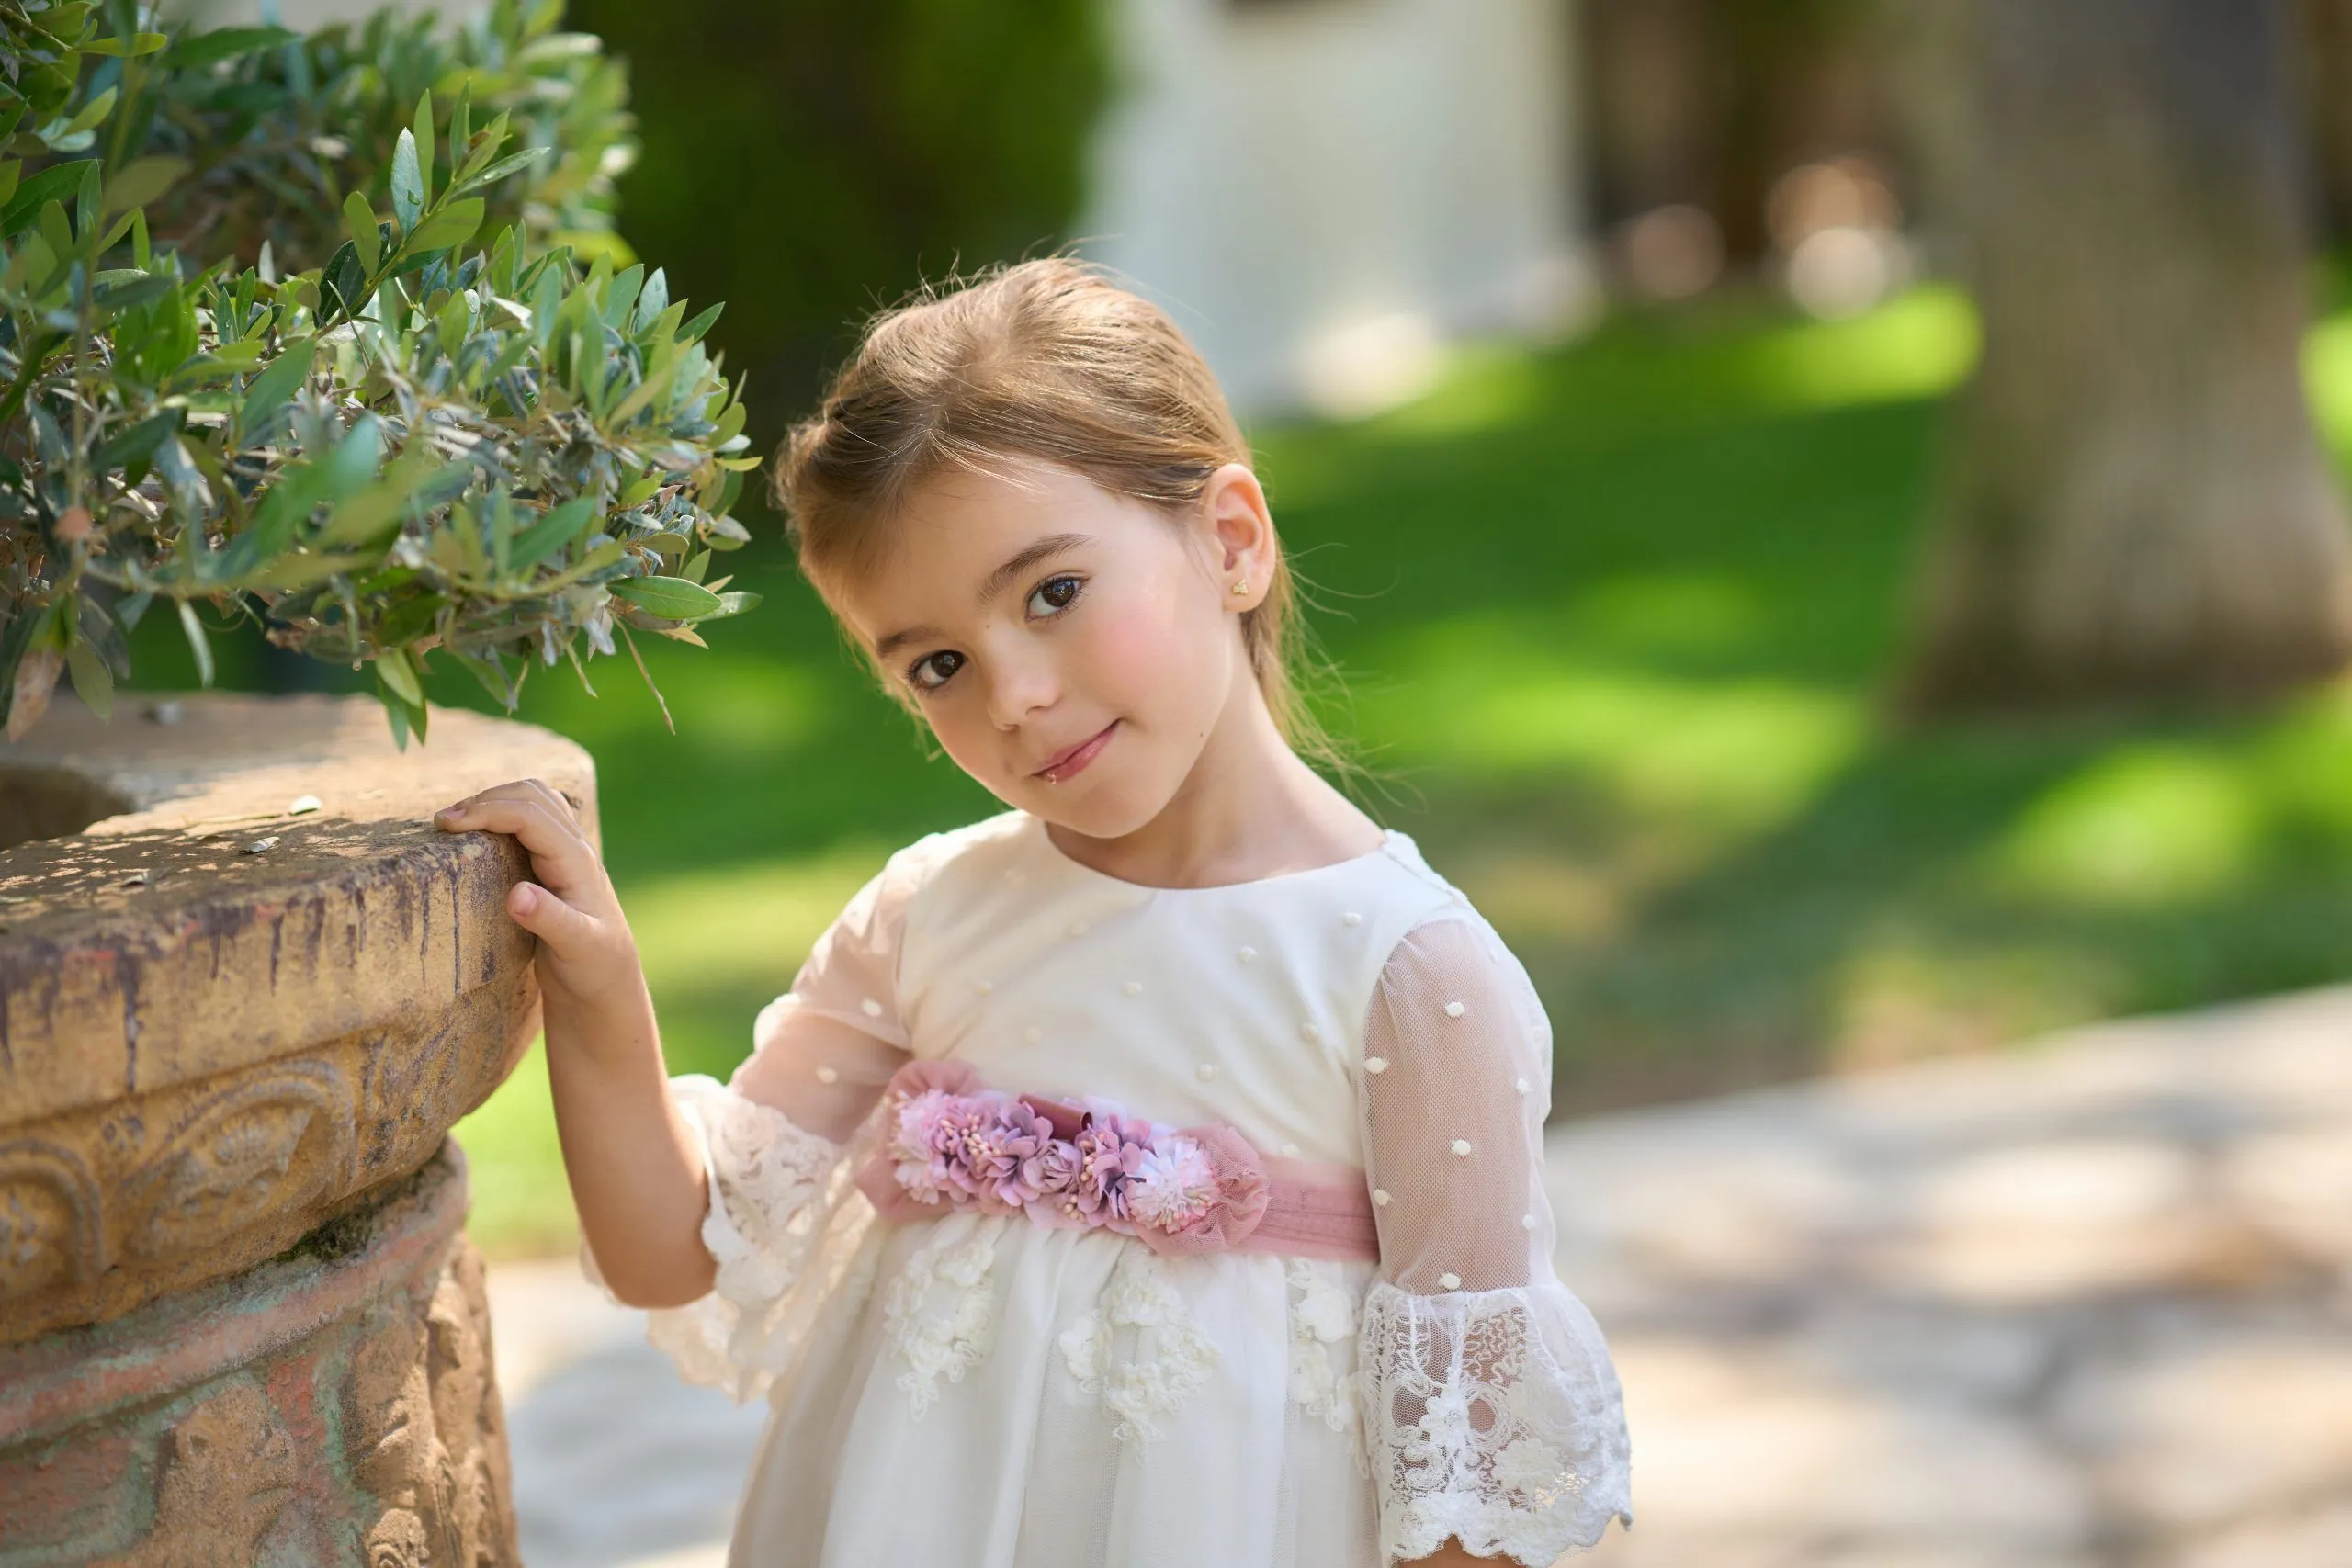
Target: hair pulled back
1048,360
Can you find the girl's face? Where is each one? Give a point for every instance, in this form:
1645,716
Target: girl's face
1074,650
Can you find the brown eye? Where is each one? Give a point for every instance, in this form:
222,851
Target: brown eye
931,672
1052,596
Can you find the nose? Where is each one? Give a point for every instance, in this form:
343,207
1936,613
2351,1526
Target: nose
1020,687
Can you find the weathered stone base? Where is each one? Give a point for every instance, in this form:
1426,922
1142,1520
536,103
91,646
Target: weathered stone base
263,987
333,1405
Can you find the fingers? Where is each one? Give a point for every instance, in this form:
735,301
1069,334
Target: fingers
530,791
539,817
555,799
561,854
541,830
548,917
561,805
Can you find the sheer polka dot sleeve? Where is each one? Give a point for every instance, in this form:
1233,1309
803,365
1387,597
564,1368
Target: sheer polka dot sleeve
824,1051
1492,1409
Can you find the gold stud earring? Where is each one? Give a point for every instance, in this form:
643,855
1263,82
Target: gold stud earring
1243,586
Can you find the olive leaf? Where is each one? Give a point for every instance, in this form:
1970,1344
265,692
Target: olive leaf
673,598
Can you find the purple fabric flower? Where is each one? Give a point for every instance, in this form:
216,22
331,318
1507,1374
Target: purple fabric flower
1099,1190
1001,1138
1050,1173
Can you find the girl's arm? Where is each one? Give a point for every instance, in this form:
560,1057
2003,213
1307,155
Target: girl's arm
636,1173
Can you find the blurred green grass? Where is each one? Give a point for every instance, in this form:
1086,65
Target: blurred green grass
1616,619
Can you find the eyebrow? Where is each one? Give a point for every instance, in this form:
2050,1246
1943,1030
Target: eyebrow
993,584
1043,550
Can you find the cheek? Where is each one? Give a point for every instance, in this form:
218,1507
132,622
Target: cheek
1151,651
967,735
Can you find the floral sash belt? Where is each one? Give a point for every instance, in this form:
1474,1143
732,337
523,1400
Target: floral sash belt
947,1143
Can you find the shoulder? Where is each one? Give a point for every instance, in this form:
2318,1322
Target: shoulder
975,848
967,877
855,966
1448,956
875,917
1409,896
1366,906
1416,881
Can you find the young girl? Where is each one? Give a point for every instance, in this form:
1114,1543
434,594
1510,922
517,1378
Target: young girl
1151,1173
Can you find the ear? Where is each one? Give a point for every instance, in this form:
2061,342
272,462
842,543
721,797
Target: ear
1241,534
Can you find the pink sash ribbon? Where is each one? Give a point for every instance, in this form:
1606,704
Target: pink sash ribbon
947,1143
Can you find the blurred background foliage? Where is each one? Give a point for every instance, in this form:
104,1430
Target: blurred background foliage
277,139
810,161
1623,617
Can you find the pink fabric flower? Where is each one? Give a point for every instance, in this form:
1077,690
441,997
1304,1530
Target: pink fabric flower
1237,1180
948,1141
910,1176
1173,1185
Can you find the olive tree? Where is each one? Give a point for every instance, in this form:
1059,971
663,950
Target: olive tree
383,386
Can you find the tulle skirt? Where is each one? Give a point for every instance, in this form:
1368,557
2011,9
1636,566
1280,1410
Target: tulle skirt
991,1394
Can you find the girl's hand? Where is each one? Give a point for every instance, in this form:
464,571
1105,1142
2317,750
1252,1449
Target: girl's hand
586,953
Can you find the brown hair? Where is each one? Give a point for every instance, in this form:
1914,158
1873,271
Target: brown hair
1050,360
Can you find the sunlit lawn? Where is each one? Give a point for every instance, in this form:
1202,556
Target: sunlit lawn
1615,620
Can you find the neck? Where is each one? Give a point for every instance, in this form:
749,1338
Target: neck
1249,809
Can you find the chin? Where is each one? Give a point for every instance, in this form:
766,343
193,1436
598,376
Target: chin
1110,809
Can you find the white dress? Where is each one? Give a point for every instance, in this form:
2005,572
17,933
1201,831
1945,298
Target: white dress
975,1390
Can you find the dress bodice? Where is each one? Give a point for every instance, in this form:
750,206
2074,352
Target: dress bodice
1243,1004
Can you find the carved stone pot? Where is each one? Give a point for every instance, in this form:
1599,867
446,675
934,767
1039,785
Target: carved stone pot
246,989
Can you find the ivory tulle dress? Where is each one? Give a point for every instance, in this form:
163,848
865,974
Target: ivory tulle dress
1061,1360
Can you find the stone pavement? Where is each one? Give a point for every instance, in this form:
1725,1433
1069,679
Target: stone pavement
617,1462
2088,1304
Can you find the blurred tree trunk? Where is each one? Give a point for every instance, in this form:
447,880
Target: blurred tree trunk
2137,505
2327,89
1710,102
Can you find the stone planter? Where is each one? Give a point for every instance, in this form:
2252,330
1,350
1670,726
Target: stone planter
245,988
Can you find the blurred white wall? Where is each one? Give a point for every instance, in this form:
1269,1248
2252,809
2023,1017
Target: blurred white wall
1324,191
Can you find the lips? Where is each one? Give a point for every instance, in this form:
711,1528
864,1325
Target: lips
1070,761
